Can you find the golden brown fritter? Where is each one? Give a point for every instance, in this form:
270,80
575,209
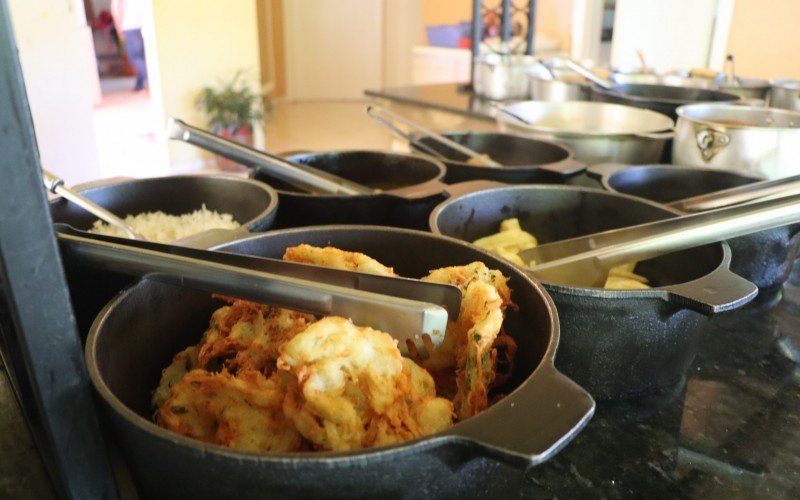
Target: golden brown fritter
336,259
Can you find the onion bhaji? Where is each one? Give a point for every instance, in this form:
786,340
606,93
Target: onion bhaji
269,379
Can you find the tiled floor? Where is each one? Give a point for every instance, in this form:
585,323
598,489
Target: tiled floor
129,144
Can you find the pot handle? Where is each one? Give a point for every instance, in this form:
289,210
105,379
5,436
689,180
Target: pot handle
710,142
600,170
533,423
719,291
570,166
473,186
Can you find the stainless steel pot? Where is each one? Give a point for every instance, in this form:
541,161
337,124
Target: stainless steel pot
785,94
548,89
752,140
746,88
675,80
502,76
595,132
660,98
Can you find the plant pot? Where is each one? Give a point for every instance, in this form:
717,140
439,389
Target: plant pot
242,135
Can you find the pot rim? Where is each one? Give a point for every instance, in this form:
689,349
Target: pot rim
546,366
434,161
606,177
756,110
668,123
790,84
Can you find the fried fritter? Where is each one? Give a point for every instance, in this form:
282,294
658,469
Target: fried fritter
247,336
243,412
337,259
485,298
183,362
352,389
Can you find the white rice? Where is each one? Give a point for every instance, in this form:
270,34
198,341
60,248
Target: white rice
163,228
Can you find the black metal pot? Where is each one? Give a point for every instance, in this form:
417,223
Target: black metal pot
412,186
615,343
139,332
765,258
253,204
525,160
660,98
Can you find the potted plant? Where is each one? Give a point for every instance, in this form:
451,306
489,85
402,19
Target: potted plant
231,108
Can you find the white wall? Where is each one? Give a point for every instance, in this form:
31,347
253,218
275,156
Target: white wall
672,34
195,44
333,48
57,59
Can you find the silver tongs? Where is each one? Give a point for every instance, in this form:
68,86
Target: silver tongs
739,194
386,118
585,261
402,307
303,177
56,185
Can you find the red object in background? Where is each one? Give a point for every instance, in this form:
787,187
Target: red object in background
465,43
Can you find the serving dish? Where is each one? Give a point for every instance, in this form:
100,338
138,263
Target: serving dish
127,349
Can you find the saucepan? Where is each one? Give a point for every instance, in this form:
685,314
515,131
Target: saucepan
139,332
615,343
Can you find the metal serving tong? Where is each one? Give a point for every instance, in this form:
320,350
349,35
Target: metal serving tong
385,118
303,177
55,185
404,308
739,194
585,261
588,74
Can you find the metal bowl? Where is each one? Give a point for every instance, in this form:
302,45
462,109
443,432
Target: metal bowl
139,332
595,132
524,160
615,343
785,94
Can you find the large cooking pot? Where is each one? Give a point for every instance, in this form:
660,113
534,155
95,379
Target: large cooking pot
410,185
595,132
252,204
754,141
502,76
524,160
785,94
139,332
615,343
670,79
765,258
663,99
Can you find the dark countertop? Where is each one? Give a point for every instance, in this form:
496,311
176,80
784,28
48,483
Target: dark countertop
452,97
731,429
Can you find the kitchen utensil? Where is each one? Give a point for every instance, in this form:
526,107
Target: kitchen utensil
588,74
213,272
557,89
765,258
502,76
385,118
55,185
616,343
585,260
750,140
785,94
541,411
740,194
729,73
595,132
525,160
300,176
746,88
